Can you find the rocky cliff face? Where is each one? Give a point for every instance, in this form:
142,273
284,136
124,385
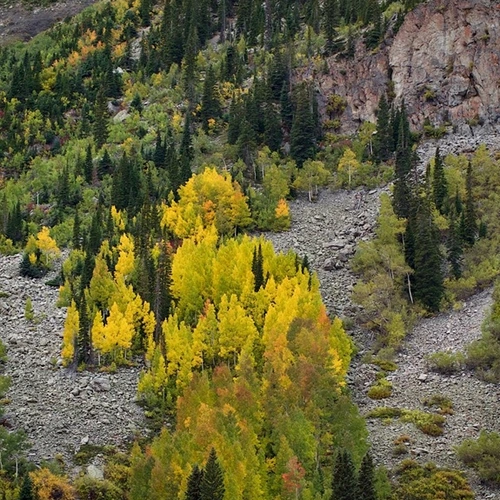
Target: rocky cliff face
444,62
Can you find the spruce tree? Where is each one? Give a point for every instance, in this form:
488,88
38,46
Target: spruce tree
455,250
76,239
212,483
344,477
210,105
88,166
258,268
428,286
469,232
439,184
26,492
272,129
302,135
193,491
366,480
330,22
383,139
100,120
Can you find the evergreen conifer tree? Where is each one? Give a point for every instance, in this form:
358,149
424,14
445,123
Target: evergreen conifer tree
88,165
193,491
302,135
26,492
439,184
331,18
427,276
76,239
366,480
469,232
455,250
100,120
258,268
210,105
383,140
212,483
344,477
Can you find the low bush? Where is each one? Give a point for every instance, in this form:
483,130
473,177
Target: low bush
381,390
444,403
483,356
483,455
430,482
385,412
446,362
429,423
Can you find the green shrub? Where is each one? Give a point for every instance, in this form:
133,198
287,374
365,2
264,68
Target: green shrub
430,482
483,356
429,423
381,390
446,362
385,412
483,455
97,489
387,366
444,403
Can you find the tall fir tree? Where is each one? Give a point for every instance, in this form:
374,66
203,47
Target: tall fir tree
193,491
366,480
428,285
212,483
439,183
100,120
26,491
331,19
302,135
469,232
258,267
344,477
384,138
210,105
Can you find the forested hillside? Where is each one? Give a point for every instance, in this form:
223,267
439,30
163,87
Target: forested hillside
152,144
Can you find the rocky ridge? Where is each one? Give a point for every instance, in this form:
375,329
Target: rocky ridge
59,409
443,62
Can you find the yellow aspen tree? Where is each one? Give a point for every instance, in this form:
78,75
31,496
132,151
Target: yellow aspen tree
47,246
236,329
102,286
206,337
178,347
282,216
126,258
348,163
70,332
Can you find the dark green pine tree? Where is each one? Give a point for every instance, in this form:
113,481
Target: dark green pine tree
77,237
286,106
331,18
428,286
26,492
455,250
159,152
210,105
469,232
344,477
191,50
402,183
14,228
273,134
106,164
193,491
162,297
302,135
212,483
236,115
258,268
100,120
83,341
246,142
88,166
384,137
439,184
366,480
186,153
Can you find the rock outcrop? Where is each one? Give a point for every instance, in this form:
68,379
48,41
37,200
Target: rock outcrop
444,63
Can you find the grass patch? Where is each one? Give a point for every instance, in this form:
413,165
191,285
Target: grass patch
386,365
